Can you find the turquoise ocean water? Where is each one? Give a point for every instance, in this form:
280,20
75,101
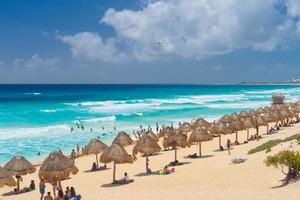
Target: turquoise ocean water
38,118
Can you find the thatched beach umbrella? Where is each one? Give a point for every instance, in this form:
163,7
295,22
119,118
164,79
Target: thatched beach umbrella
219,129
259,121
236,126
226,119
123,139
185,128
243,114
248,123
6,178
260,110
146,146
177,140
19,166
200,135
235,116
200,122
116,154
57,167
253,113
167,131
152,135
95,146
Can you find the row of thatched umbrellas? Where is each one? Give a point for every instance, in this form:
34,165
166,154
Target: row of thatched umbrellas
57,167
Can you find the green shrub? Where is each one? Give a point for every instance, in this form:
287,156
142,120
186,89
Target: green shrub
288,162
265,146
272,143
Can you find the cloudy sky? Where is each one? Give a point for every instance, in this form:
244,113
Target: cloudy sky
149,41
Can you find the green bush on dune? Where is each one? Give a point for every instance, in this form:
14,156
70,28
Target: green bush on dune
288,162
272,143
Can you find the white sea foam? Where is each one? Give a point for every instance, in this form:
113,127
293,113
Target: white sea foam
241,105
33,93
100,119
9,133
50,110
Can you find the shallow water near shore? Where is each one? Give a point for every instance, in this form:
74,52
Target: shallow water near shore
38,118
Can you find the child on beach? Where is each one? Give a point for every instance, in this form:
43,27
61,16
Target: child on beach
42,187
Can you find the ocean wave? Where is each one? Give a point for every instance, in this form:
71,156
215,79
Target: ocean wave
50,110
33,93
99,119
241,105
9,133
270,92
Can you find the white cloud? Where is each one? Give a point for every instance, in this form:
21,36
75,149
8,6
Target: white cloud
37,62
189,29
90,46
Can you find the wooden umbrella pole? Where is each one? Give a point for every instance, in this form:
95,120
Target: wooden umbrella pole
97,160
200,149
146,163
220,141
114,173
247,134
175,153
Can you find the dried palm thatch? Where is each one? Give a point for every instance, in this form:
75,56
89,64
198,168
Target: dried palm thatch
6,178
200,122
146,146
219,129
123,139
200,135
19,166
177,140
152,135
248,123
57,167
243,114
167,131
226,119
116,154
185,127
95,146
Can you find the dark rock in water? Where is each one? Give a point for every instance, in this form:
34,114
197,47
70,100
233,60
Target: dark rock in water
103,134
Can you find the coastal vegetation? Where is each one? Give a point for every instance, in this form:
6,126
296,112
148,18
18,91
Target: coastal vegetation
271,143
288,162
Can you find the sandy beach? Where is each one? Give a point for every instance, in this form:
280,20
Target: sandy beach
211,177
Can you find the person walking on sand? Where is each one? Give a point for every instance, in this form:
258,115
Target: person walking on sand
73,156
42,187
78,149
228,146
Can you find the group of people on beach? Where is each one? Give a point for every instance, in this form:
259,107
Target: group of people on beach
58,193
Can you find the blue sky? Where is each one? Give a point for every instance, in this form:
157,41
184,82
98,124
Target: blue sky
149,41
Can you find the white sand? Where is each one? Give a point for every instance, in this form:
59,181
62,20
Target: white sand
209,178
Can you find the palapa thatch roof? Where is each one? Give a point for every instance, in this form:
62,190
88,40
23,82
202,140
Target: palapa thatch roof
235,126
200,135
146,145
226,119
19,165
95,146
6,178
123,139
260,121
152,135
178,140
200,122
185,127
117,154
57,167
248,123
243,114
167,131
219,128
